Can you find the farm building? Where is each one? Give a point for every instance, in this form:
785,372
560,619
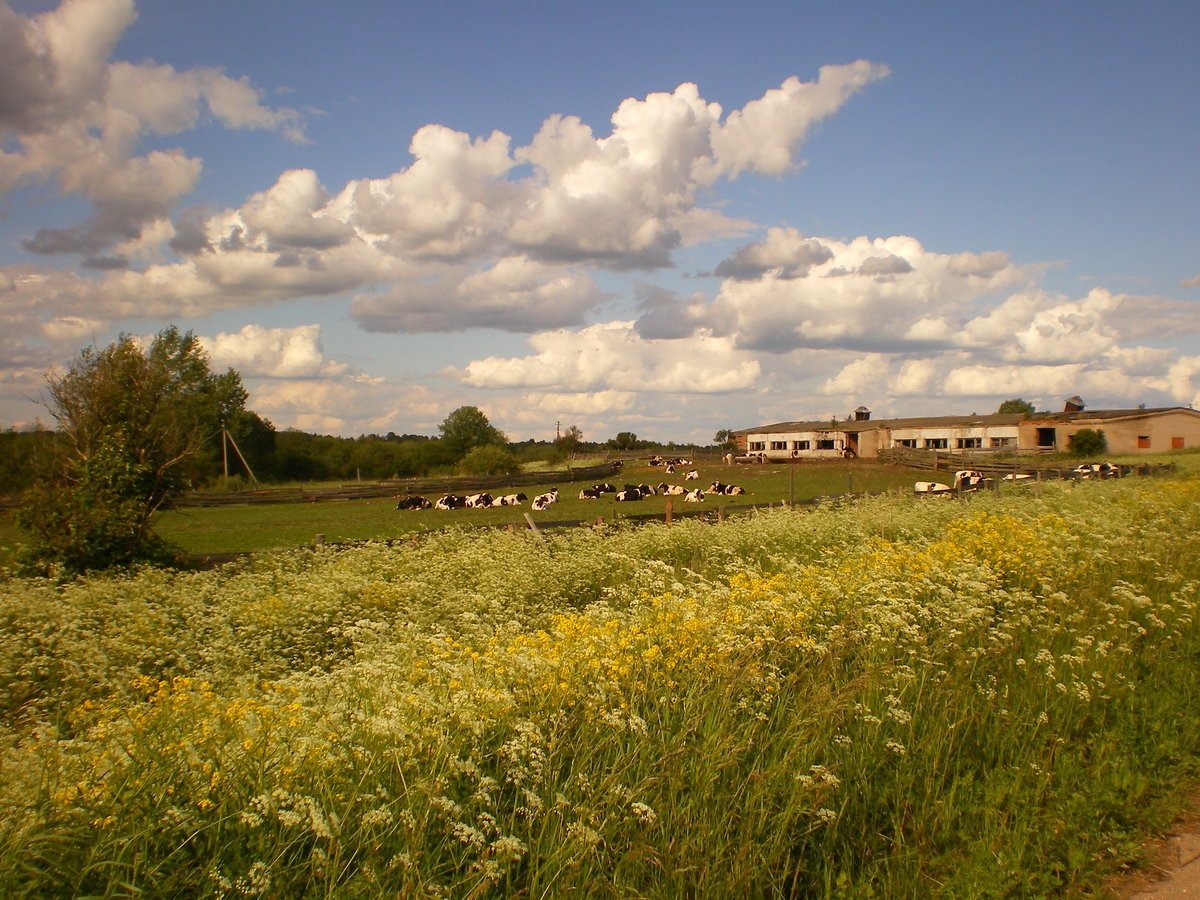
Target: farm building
1126,430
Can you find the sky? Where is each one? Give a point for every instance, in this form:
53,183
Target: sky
663,218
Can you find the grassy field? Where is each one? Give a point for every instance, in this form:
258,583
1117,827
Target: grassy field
884,697
234,529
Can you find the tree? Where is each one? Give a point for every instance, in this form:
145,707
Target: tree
725,439
625,440
489,459
569,440
1087,442
132,424
466,428
1016,405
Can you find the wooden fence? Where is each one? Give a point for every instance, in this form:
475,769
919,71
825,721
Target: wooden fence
996,466
401,486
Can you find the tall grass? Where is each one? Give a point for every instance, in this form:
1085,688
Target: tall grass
884,697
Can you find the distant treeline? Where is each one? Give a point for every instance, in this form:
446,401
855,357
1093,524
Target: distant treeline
284,456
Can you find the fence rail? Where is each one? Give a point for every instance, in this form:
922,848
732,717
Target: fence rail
1033,464
375,490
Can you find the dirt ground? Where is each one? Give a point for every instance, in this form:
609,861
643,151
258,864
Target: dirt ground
1172,867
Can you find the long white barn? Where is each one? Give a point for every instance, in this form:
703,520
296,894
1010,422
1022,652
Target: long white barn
1126,430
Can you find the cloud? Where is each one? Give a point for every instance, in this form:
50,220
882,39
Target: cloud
613,357
763,135
70,115
516,294
1194,281
790,291
666,315
785,253
273,353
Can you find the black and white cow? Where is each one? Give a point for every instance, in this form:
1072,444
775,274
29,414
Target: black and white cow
478,501
605,488
671,490
932,487
694,496
631,492
543,501
589,494
510,500
413,502
732,490
450,501
692,475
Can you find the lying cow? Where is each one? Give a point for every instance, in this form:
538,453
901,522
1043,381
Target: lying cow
543,501
692,475
718,487
671,490
631,492
414,502
450,501
932,487
694,496
478,501
510,500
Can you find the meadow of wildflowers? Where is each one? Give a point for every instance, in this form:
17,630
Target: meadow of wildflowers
976,698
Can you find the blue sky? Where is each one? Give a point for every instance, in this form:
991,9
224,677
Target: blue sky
378,212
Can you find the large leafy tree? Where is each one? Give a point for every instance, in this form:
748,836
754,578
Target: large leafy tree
1016,405
466,428
132,421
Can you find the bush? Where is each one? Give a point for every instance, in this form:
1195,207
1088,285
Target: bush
1087,442
489,460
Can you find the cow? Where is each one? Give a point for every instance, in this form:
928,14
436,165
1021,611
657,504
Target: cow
1018,476
969,480
589,494
932,487
671,490
630,493
605,488
694,496
543,501
692,475
718,487
510,500
450,501
413,502
670,469
478,501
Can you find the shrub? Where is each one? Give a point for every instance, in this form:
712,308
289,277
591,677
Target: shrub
489,460
1087,442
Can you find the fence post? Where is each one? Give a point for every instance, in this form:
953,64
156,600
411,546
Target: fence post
669,510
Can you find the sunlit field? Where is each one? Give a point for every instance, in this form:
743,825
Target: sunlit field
985,697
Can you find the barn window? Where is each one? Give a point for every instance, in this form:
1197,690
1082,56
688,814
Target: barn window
907,442
778,445
1002,442
758,445
801,445
1176,443
826,444
1143,442
935,443
971,443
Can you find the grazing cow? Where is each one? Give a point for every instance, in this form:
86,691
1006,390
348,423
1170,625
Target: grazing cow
510,500
694,496
450,501
478,501
932,487
692,475
413,502
672,490
543,501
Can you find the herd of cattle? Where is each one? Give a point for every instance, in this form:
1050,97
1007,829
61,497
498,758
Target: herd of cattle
973,480
627,493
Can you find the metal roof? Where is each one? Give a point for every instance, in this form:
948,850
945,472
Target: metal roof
851,425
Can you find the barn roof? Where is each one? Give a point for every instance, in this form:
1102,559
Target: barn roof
850,425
